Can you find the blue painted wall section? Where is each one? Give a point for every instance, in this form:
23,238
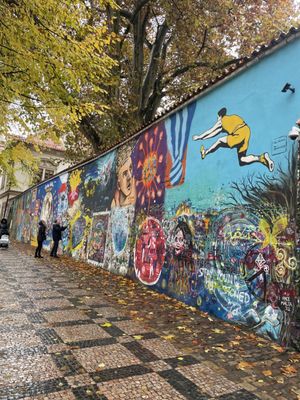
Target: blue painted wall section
200,206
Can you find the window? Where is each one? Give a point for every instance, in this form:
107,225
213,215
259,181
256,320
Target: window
42,174
38,177
48,173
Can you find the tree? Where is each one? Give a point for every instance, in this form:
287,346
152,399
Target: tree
168,48
94,71
54,62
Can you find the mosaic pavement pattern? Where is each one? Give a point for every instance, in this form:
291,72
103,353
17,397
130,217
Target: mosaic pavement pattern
58,343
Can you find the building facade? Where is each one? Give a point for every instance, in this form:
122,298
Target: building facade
200,205
51,160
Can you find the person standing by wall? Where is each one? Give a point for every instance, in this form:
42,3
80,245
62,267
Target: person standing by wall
4,227
56,234
41,236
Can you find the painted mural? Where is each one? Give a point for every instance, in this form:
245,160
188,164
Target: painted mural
212,227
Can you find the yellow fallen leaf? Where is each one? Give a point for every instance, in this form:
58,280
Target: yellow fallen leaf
168,337
260,380
244,365
288,370
181,327
218,331
138,337
219,348
102,365
106,325
267,372
278,348
180,358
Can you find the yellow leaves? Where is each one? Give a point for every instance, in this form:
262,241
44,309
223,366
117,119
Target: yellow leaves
168,337
220,348
106,325
220,331
234,343
120,301
54,60
278,348
288,370
244,365
267,372
138,337
180,358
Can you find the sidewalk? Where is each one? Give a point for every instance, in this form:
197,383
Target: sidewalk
72,331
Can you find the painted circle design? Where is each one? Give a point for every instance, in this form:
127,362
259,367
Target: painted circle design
150,251
149,169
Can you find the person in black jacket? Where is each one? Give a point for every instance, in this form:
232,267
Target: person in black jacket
3,227
56,233
41,236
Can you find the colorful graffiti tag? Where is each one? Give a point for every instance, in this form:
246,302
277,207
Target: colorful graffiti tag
210,227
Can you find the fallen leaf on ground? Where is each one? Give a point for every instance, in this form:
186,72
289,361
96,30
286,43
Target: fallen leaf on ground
278,348
267,372
180,358
137,337
288,370
219,348
168,337
218,331
106,325
244,365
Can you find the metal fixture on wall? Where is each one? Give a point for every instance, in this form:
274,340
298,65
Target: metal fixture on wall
287,87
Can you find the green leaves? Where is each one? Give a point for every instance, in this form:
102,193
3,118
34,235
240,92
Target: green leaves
53,63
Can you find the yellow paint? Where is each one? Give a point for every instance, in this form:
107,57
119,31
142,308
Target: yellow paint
270,234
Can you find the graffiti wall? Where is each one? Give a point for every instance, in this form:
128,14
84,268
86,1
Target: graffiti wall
201,205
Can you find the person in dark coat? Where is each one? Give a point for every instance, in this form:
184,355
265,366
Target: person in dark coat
41,236
56,234
3,227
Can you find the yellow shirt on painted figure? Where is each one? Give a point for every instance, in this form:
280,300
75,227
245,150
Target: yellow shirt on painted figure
238,132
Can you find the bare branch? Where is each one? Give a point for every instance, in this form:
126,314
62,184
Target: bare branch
203,42
152,70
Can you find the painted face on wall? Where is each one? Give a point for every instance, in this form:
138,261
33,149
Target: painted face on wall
125,193
125,178
179,243
47,208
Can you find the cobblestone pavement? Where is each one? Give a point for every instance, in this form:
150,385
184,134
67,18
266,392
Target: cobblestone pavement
66,333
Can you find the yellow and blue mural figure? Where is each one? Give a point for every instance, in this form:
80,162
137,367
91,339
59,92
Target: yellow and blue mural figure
238,136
